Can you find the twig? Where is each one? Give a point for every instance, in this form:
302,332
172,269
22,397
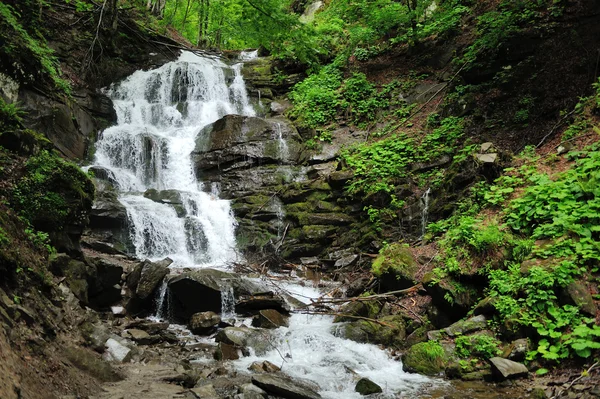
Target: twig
575,380
558,124
364,298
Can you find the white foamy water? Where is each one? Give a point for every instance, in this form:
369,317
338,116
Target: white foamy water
309,350
160,113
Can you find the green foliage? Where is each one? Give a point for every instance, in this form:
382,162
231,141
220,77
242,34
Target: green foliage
19,40
10,115
52,192
479,345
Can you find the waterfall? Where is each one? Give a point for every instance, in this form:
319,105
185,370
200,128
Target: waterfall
284,151
162,308
227,302
425,199
159,114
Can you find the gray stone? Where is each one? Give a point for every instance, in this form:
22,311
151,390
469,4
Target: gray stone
226,352
580,295
467,326
365,386
517,349
346,261
205,391
251,391
244,337
269,318
504,368
115,351
263,367
280,106
486,147
487,158
284,387
311,260
152,273
204,322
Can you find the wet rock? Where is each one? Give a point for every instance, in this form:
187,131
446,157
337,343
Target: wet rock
107,212
205,391
200,291
253,303
390,332
115,351
283,387
504,368
280,106
263,367
365,386
204,322
466,326
226,352
269,318
151,274
244,337
150,327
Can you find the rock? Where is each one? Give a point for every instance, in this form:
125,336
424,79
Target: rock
392,334
395,267
346,261
150,327
467,326
115,351
517,349
91,363
269,318
579,294
280,106
200,291
205,391
504,368
263,367
486,147
244,337
283,387
427,358
365,386
487,158
251,391
253,303
226,352
118,310
95,335
151,274
485,307
204,322
78,275
107,212
142,337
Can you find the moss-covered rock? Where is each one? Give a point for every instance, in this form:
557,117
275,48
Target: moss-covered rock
427,358
395,267
389,331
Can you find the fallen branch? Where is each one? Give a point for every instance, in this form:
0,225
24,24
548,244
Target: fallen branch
558,124
364,298
584,374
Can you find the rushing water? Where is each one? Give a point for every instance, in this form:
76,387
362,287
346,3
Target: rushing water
160,112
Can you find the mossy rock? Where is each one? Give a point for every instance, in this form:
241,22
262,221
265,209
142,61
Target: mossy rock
388,331
451,296
395,267
369,309
427,358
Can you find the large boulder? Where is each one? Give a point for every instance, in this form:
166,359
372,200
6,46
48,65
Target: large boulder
151,274
204,322
200,291
504,368
284,387
269,318
427,358
235,142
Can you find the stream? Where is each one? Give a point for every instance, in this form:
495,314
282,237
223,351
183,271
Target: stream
172,213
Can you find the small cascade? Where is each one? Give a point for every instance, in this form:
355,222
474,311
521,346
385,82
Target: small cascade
248,55
160,113
284,151
425,211
278,207
227,302
162,302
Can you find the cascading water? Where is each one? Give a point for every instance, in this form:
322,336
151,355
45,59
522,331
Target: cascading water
160,112
227,302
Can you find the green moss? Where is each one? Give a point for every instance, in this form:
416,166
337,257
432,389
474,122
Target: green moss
395,260
52,193
426,358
